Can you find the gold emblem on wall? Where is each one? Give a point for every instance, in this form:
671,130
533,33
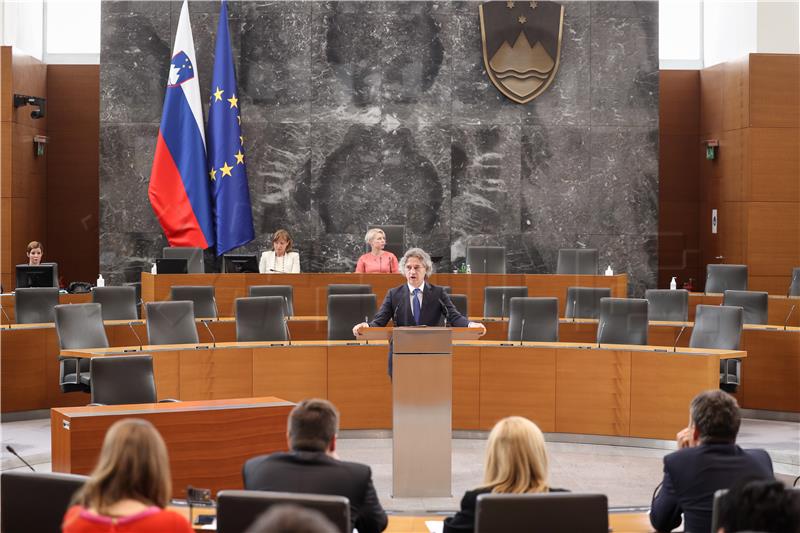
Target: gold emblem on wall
521,46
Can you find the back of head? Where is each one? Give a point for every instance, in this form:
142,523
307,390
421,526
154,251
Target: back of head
133,464
715,414
292,519
313,424
516,457
764,506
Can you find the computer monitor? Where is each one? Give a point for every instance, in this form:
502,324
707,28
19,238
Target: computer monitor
44,275
172,266
241,264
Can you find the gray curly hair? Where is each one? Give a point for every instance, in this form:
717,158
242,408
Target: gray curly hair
420,254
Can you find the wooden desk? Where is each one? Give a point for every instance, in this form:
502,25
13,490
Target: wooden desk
208,441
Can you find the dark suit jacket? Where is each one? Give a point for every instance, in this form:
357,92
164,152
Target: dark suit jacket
317,473
693,475
464,520
435,305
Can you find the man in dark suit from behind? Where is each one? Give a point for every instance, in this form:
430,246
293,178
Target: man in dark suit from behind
707,460
313,467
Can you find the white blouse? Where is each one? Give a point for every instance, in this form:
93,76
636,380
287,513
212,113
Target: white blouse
289,263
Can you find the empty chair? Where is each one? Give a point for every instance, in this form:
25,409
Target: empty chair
533,319
261,318
119,303
36,501
123,379
584,302
395,238
237,509
542,513
487,259
171,323
445,288
794,286
753,303
460,301
205,305
78,326
284,291
719,327
667,305
721,278
35,305
348,288
622,321
347,310
193,256
496,299
583,261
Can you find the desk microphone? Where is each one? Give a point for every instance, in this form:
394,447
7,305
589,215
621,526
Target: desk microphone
366,319
444,309
600,333
786,322
521,332
216,309
286,305
8,320
286,327
130,325
213,338
574,308
675,344
484,265
18,456
503,307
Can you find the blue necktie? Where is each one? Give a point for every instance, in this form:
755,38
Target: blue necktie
415,306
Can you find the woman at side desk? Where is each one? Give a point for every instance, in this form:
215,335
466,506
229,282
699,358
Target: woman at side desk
130,486
34,253
281,258
378,260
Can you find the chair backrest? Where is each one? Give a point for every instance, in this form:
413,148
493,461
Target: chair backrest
260,318
137,285
445,288
193,256
35,305
794,286
487,259
622,321
395,238
717,327
284,291
36,501
122,379
238,509
667,305
577,261
171,323
533,319
497,300
754,304
460,301
584,302
347,310
205,305
542,513
80,326
119,303
348,288
721,278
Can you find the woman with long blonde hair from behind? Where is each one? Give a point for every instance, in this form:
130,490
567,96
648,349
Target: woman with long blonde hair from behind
130,486
516,463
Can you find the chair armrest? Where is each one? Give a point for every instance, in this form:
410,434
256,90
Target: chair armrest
168,400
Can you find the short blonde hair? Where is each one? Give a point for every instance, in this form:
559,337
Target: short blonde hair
133,464
420,254
372,233
34,245
516,457
283,234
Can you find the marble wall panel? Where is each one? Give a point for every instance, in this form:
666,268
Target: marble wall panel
381,112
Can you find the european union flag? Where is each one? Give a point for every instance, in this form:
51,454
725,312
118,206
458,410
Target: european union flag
233,216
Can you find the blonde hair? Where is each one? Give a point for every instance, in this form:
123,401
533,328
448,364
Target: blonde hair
371,234
283,234
34,245
516,457
133,464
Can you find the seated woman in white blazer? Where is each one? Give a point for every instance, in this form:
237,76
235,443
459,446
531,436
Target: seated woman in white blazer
281,258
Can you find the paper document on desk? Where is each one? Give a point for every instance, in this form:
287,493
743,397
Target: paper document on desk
434,526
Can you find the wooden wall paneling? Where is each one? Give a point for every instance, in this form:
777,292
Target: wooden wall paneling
774,90
732,227
771,370
732,165
215,374
7,272
735,92
293,373
773,236
22,359
360,387
711,99
679,102
774,165
167,374
466,387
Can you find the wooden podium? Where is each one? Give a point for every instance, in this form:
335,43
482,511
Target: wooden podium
422,405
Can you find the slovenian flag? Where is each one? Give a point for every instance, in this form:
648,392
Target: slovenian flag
179,180
233,216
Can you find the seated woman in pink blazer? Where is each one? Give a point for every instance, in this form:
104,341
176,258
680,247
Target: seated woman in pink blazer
378,260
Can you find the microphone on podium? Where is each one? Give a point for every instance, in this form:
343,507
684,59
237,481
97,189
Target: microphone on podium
18,456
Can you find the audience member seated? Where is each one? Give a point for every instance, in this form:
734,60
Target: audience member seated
708,459
281,258
35,253
292,519
378,260
129,487
516,463
312,466
760,506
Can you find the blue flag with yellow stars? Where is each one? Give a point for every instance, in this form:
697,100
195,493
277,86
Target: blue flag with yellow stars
233,216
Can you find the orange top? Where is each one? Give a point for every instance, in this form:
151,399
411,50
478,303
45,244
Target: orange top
386,263
151,520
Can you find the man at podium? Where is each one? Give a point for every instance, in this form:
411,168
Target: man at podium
417,302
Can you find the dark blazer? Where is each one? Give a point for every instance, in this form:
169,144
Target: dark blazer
693,475
317,473
464,520
435,305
